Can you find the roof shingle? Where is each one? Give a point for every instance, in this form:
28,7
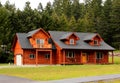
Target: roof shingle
23,40
81,44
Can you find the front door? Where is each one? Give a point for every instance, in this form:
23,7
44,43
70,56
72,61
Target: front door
84,58
18,60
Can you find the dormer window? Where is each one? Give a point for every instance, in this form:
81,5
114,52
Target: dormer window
40,43
71,41
95,42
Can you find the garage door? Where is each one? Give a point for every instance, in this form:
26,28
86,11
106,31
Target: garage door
18,60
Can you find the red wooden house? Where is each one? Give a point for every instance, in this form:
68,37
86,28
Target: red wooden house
59,47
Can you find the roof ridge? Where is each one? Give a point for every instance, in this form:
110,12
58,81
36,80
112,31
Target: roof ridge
74,32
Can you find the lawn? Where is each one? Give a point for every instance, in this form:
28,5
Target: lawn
62,72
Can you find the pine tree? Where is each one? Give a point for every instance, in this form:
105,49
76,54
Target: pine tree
115,23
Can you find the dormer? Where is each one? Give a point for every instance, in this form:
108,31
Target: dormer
69,38
39,38
93,39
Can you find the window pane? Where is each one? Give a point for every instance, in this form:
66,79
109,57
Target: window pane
95,42
47,56
99,55
32,56
41,41
37,41
71,41
70,55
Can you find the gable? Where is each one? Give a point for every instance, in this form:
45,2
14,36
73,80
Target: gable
93,39
40,39
69,38
17,47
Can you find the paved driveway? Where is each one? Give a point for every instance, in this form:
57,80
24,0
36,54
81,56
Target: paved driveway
11,79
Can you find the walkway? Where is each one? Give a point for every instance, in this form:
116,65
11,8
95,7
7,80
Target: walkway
11,79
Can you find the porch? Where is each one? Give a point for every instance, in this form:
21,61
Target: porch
85,57
43,56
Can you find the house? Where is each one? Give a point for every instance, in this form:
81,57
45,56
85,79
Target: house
60,47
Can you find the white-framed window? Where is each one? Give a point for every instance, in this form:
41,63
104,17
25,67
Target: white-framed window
47,56
99,55
95,42
40,42
31,56
72,41
70,54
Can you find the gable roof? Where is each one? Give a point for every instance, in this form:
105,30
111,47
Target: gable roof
67,35
31,33
23,40
56,36
91,36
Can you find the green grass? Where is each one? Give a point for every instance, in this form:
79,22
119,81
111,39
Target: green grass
117,51
116,59
4,64
62,72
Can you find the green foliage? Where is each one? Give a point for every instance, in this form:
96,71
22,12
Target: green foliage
66,15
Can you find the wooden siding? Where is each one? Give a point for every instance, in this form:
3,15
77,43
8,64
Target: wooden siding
75,60
26,57
40,35
17,50
58,56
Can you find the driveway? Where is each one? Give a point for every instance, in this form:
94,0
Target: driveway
12,79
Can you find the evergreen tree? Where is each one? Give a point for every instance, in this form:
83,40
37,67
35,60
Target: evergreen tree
115,23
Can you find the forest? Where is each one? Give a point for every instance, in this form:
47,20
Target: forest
62,15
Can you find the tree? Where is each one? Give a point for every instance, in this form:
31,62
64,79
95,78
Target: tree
115,23
105,24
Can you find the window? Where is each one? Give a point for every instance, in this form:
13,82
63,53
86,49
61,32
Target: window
32,56
40,42
47,56
99,55
71,41
95,42
70,54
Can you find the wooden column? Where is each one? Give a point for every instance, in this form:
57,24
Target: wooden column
51,57
81,57
36,57
64,57
112,57
95,57
59,54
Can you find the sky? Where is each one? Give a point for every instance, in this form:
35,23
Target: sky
33,3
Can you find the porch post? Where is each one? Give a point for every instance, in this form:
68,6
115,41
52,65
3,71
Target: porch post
64,57
59,54
51,57
36,57
95,57
81,57
112,57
